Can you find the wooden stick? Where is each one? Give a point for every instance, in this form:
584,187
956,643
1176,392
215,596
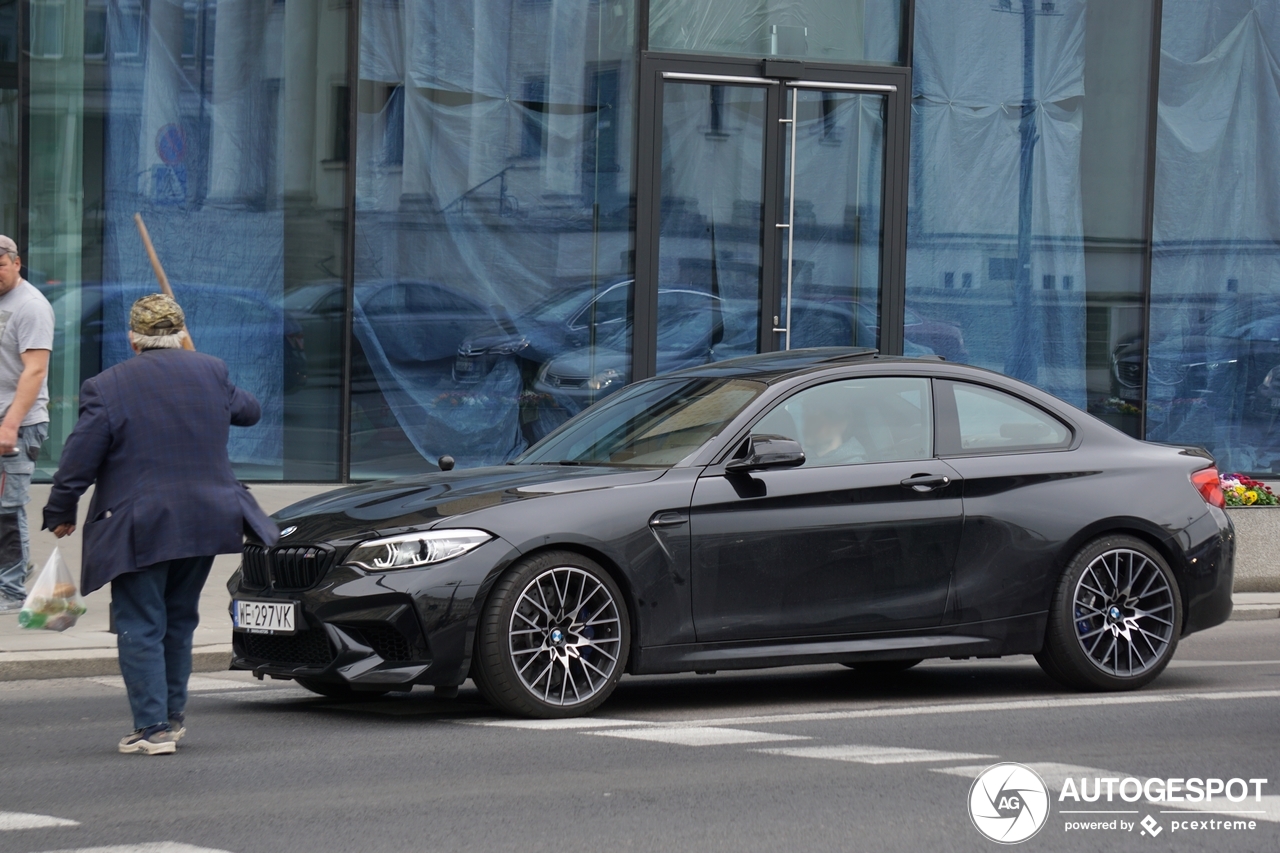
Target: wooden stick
187,343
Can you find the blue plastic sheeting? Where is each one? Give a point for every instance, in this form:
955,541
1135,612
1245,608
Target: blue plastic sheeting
494,172
192,151
478,423
995,240
1215,281
824,30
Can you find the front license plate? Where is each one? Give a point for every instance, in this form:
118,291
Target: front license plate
265,617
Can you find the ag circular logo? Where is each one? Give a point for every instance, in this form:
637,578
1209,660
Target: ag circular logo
1008,803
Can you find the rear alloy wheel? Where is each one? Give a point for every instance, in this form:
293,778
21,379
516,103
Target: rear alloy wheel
1115,619
553,637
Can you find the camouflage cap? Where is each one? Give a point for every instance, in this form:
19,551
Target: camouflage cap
156,314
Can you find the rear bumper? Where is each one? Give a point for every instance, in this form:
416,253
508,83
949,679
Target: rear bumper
1209,572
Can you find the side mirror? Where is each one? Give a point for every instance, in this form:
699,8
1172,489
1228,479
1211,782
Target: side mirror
768,451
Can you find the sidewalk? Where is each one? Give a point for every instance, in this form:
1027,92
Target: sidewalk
88,649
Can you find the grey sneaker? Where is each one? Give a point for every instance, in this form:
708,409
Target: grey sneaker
154,740
178,726
10,605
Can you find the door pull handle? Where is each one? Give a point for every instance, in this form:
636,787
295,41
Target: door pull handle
926,482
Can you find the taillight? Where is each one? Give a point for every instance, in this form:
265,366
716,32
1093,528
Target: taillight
1209,486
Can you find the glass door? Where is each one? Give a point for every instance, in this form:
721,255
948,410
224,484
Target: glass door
831,219
770,209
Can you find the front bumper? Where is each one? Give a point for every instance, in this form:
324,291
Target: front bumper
374,631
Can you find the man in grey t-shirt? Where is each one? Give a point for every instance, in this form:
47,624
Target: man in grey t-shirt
26,340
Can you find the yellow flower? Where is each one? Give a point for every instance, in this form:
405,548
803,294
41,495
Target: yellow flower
1250,497
1239,490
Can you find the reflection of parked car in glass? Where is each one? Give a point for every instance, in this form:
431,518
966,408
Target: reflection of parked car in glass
218,317
921,336
691,324
421,321
562,321
694,328
1224,361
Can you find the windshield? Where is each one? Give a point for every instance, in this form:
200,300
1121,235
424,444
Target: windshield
651,423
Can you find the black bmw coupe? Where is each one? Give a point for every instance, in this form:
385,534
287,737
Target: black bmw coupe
814,506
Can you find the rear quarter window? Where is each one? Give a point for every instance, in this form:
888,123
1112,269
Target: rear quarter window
991,421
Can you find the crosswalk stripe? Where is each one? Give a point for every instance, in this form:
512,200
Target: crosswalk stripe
22,820
1055,775
873,754
1058,703
154,847
695,735
559,725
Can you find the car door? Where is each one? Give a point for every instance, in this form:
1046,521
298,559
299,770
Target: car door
860,538
1013,457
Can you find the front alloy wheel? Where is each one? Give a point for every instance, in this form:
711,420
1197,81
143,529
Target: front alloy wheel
1115,619
553,638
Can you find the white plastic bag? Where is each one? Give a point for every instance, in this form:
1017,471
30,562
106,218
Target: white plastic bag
54,603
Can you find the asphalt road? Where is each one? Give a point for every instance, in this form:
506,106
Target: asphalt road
819,758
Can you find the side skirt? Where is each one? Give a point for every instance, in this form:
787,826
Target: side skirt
1016,635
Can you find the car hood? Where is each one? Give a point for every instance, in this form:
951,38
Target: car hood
422,501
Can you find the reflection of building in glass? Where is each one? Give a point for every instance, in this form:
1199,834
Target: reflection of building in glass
447,226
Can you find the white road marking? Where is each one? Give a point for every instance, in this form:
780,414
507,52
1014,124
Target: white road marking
1179,664
696,735
21,820
1055,775
156,847
874,754
559,725
195,684
983,707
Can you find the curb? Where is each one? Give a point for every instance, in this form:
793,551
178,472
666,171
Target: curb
1249,613
24,666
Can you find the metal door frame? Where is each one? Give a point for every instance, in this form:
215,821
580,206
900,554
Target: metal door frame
780,77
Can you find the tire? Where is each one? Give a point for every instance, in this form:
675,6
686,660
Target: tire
339,691
1115,619
882,667
553,637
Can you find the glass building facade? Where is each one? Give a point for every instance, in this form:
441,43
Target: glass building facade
424,227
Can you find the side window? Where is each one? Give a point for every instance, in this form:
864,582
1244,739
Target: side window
881,419
991,420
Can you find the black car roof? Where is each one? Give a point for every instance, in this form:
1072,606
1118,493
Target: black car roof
771,366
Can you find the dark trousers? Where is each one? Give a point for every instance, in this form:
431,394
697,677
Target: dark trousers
156,610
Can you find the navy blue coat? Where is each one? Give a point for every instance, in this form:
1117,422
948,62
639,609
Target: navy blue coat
153,435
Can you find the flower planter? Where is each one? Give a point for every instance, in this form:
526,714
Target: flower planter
1257,567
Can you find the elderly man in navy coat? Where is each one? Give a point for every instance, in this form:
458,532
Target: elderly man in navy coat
153,435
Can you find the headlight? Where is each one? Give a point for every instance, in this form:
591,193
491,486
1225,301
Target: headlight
511,347
606,378
412,550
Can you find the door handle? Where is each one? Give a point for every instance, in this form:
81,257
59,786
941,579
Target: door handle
926,482
668,519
